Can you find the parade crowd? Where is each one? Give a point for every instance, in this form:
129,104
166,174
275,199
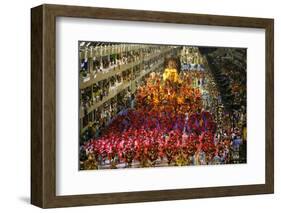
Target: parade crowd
169,123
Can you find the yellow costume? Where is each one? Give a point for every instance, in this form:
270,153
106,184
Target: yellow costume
155,101
171,74
180,100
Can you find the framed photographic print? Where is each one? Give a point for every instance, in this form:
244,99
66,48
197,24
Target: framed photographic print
136,106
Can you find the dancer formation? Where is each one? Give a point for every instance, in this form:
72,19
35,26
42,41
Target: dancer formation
170,122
